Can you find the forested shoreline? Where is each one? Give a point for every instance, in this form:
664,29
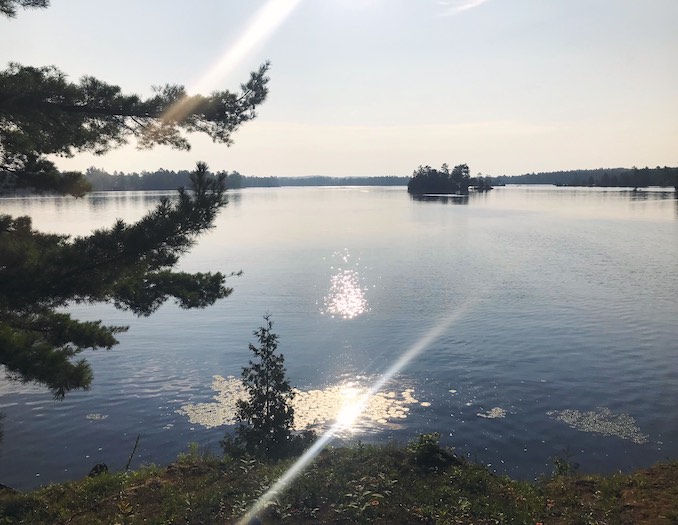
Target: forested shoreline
164,179
600,177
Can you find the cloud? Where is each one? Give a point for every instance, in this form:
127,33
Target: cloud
454,7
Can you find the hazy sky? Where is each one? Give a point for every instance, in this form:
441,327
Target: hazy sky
378,87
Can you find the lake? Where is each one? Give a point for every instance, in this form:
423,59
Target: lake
521,324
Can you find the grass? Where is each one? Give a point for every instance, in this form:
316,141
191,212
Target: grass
418,484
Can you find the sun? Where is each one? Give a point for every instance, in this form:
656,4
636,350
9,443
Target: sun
354,401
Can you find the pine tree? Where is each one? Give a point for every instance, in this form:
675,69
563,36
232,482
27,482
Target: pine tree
128,265
9,7
43,113
266,417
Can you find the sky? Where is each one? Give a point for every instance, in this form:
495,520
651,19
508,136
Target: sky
379,87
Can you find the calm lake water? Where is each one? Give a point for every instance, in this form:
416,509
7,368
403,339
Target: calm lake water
521,324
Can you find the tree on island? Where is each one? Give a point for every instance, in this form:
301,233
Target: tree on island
481,183
128,265
426,179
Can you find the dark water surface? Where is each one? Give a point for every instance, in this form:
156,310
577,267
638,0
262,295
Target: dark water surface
555,311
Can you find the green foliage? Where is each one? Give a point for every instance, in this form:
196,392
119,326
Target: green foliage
128,265
365,496
9,7
367,484
43,113
564,465
426,179
163,179
266,417
427,452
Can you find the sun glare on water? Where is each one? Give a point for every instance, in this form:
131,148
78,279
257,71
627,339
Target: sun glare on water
348,407
349,417
346,296
354,402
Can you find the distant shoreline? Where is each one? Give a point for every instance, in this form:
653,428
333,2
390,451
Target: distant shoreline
599,178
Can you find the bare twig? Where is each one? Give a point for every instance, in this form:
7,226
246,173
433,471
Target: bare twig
129,461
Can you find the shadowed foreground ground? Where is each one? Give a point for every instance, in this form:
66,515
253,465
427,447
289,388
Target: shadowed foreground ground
418,484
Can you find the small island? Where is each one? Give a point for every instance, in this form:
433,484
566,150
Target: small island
458,181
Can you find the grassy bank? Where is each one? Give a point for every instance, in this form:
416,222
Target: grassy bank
418,484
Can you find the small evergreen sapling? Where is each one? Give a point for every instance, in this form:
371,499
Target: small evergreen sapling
266,417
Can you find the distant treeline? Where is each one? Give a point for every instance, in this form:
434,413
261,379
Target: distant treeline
603,177
427,180
171,180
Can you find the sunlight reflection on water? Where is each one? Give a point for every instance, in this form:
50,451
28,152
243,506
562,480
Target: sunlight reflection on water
581,306
315,409
346,296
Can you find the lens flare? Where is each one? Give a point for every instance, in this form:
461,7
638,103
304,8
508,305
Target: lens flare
351,412
353,406
263,24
